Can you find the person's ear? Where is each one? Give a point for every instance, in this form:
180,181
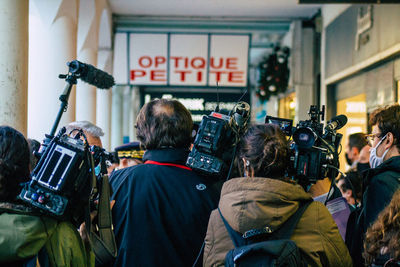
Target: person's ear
389,140
249,172
355,151
123,162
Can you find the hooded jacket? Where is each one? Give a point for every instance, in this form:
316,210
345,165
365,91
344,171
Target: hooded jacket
252,203
23,235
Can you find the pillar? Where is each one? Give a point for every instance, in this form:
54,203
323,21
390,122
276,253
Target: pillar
135,108
104,100
52,43
86,93
126,114
14,63
116,116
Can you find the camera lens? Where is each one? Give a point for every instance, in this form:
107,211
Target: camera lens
304,137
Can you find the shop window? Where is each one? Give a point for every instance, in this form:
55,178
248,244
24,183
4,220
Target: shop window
355,109
287,107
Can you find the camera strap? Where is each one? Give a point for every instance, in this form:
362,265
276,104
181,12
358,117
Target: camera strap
103,241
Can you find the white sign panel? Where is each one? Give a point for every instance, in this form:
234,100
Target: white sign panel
188,59
228,60
181,59
148,59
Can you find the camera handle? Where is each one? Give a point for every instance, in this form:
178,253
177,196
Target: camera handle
71,79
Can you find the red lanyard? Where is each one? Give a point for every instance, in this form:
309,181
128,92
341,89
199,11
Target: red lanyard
167,164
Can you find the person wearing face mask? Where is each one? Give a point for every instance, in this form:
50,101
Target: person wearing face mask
383,179
357,152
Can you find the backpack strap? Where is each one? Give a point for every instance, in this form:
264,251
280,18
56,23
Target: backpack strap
236,237
284,232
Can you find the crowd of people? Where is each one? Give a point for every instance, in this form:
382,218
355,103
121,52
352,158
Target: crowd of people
166,214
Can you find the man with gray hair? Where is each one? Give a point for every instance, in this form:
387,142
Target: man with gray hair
92,132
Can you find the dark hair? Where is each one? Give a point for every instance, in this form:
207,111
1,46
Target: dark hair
352,179
34,146
357,140
385,232
267,150
14,163
164,123
388,120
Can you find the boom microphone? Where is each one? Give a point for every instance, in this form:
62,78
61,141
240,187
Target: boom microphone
91,74
336,123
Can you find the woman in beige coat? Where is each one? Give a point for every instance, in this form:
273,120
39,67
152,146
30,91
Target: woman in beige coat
255,202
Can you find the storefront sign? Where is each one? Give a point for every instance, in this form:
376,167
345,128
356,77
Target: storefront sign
200,104
181,59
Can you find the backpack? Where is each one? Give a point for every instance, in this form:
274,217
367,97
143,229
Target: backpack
261,247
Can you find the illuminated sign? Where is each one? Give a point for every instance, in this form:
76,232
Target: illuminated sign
181,59
200,104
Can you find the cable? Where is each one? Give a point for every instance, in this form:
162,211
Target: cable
198,255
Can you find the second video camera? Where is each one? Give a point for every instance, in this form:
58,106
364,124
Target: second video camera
214,146
314,149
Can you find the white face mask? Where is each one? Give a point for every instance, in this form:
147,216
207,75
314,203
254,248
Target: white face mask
374,160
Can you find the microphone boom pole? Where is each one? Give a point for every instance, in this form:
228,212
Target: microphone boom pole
88,74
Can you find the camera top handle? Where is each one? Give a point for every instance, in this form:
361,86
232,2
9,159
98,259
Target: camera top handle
71,79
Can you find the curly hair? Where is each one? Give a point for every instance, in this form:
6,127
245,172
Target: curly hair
267,150
388,120
14,163
164,123
385,232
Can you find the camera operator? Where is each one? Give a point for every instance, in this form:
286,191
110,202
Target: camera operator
26,236
92,132
161,207
382,180
265,198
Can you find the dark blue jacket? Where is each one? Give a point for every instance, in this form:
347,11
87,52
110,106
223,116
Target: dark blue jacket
161,210
379,186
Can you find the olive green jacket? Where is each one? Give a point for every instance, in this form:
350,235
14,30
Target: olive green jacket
23,235
253,203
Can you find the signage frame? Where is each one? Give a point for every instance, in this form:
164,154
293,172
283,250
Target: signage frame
168,85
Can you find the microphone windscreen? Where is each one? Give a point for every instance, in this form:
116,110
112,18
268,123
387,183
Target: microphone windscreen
340,120
91,75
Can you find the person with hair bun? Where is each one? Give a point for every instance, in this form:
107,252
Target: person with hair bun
382,241
264,197
27,237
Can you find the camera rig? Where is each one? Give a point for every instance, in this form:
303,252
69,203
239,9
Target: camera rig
314,149
64,177
214,147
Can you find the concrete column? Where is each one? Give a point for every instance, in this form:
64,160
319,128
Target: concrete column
116,116
52,43
14,63
104,100
126,114
86,93
303,69
135,108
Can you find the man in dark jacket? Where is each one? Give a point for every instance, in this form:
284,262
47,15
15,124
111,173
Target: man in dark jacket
161,207
383,179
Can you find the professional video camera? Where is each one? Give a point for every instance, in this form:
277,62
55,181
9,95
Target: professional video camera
314,149
214,147
65,184
61,179
64,177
